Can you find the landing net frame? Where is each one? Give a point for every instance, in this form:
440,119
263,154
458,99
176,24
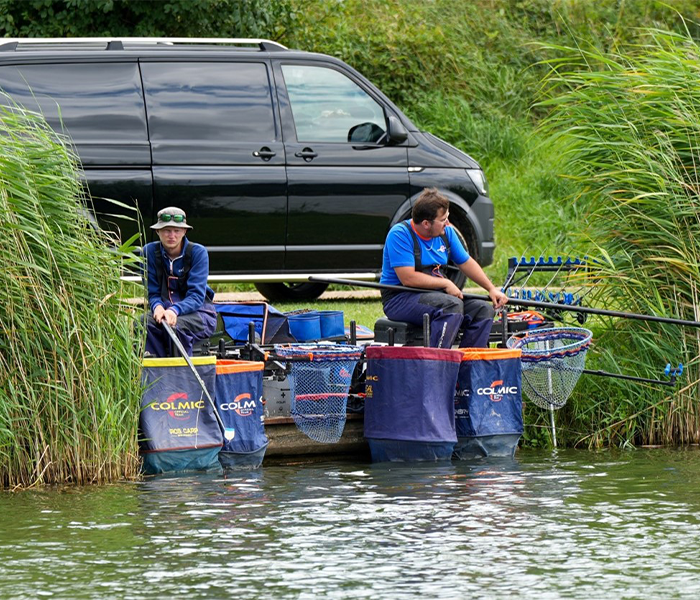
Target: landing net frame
552,361
319,387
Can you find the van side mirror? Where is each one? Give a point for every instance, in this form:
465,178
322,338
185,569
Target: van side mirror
396,132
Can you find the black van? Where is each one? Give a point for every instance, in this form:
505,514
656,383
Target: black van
288,163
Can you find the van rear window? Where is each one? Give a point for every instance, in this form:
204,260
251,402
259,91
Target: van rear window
100,105
208,102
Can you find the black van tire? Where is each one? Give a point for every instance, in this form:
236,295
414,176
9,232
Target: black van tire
279,292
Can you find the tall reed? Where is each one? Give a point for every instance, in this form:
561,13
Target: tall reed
629,125
69,372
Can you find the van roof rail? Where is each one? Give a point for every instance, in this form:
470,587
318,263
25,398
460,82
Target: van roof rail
120,43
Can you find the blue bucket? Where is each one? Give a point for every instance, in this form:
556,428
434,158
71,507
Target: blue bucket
332,323
305,327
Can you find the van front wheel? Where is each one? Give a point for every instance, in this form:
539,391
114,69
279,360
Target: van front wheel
280,292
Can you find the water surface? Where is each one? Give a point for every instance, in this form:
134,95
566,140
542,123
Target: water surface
570,524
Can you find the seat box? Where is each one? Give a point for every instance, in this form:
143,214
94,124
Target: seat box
405,334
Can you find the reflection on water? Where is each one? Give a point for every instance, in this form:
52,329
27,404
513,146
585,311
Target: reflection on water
567,524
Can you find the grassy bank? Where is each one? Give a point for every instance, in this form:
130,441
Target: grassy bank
471,72
611,174
64,416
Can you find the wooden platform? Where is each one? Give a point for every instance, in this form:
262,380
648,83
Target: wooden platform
287,441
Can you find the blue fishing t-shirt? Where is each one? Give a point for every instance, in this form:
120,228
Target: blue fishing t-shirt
398,251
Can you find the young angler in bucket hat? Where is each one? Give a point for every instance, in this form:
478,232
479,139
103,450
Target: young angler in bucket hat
177,285
171,217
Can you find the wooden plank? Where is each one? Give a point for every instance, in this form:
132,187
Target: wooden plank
286,440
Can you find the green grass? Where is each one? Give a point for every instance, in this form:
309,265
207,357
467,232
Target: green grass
363,312
613,174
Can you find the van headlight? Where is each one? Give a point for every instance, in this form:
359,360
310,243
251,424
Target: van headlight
479,180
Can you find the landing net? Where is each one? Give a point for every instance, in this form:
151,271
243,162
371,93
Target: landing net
552,361
319,387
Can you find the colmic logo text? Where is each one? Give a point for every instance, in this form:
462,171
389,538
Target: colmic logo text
243,404
178,406
369,392
344,373
496,390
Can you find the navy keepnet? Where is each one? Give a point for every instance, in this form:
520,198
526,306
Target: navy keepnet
409,402
178,430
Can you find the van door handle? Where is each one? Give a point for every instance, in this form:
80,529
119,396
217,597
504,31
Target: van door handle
265,153
307,154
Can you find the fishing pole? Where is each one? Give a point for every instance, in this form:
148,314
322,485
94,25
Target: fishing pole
515,302
228,433
669,372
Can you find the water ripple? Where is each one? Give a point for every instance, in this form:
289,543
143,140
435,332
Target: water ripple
567,524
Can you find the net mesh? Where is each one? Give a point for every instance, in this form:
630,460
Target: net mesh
552,361
319,388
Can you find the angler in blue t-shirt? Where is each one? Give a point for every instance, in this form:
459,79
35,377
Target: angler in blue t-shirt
414,252
177,286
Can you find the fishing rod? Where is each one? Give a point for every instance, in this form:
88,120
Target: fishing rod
515,302
228,433
669,372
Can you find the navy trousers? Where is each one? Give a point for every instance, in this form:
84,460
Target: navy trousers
190,328
448,315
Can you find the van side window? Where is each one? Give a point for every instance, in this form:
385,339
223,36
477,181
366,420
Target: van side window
329,107
99,104
208,103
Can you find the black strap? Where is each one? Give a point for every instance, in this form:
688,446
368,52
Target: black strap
162,272
429,269
417,254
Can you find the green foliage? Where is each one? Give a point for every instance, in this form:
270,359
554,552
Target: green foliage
64,415
470,72
487,52
125,18
630,130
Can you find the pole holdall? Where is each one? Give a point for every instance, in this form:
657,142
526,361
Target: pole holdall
238,399
488,403
178,428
